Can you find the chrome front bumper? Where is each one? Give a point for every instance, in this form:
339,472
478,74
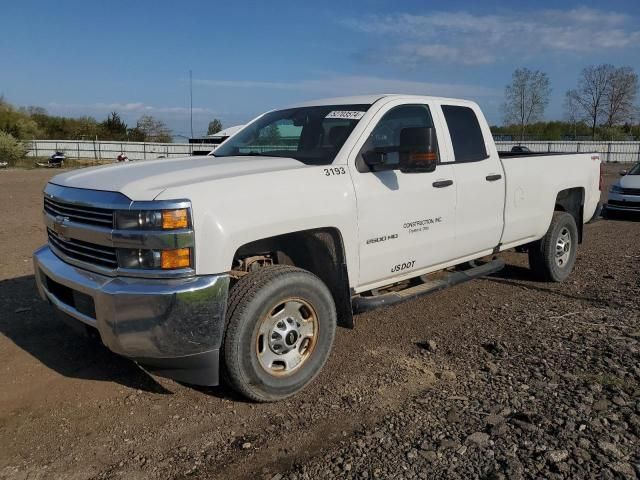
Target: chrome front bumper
172,327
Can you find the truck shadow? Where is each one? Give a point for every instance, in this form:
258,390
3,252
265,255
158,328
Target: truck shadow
522,277
514,272
32,325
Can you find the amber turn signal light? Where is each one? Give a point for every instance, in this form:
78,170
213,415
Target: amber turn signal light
423,157
174,219
172,259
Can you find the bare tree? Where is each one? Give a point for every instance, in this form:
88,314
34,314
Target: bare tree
153,130
591,92
526,98
572,111
620,96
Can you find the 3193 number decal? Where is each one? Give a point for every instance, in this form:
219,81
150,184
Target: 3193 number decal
334,171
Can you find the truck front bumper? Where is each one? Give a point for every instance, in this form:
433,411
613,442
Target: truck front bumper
623,203
170,327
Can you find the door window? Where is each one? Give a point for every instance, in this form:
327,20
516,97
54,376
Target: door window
386,134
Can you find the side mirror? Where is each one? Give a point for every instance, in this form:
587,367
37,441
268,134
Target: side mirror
623,173
374,158
418,150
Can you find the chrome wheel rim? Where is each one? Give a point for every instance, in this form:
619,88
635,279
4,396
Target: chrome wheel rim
287,336
563,247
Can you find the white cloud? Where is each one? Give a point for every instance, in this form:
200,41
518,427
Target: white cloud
469,39
338,85
131,108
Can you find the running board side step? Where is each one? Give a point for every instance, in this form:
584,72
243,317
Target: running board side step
361,304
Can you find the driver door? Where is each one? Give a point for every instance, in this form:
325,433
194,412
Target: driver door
406,221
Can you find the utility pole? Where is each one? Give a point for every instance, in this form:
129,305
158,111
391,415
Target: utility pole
191,101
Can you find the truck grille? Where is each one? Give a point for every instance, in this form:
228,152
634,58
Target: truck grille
84,251
101,217
631,191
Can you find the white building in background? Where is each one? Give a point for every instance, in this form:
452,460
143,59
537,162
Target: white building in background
216,138
222,135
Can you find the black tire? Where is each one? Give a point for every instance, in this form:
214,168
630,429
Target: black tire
608,214
255,297
543,258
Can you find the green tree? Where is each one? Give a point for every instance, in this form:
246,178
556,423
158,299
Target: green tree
135,135
113,128
18,123
11,150
85,128
215,126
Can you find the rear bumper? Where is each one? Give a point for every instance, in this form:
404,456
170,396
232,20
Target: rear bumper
171,327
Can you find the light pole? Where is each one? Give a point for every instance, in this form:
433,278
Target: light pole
191,101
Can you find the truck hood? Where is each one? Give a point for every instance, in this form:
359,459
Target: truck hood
145,180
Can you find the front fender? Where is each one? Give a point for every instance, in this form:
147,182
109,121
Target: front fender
231,212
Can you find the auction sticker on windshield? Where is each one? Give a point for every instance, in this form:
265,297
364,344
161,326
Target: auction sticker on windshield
348,114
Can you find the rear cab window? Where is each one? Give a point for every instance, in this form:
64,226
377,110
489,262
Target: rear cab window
466,134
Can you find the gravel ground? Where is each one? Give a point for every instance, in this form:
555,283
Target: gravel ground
503,377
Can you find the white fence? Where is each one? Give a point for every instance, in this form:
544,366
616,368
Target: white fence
624,152
99,150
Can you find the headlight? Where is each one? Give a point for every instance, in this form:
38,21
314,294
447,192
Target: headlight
152,219
156,223
154,259
616,189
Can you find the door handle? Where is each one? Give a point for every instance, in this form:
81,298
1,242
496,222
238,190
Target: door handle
493,178
442,183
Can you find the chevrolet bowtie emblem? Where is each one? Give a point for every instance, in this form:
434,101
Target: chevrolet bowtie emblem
59,226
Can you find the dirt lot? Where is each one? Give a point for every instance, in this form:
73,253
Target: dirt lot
502,377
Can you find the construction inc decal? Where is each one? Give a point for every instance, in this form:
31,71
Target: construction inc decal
421,225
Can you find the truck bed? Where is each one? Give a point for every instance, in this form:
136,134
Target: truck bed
532,188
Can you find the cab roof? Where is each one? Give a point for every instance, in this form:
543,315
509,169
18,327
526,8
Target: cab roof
371,99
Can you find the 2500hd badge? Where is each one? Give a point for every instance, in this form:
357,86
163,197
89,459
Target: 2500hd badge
383,238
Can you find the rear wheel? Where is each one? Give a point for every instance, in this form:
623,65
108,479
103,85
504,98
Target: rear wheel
553,256
280,328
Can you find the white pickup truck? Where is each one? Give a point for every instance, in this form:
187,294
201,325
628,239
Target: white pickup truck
240,264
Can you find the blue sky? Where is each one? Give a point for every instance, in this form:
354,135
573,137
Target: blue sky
89,58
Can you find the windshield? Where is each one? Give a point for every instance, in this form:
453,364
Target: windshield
635,170
312,135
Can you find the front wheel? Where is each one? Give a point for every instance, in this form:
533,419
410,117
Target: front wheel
553,256
281,323
608,214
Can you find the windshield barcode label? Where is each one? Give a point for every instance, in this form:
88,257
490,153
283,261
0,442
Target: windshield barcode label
346,114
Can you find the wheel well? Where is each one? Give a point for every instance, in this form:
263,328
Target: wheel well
320,251
571,201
